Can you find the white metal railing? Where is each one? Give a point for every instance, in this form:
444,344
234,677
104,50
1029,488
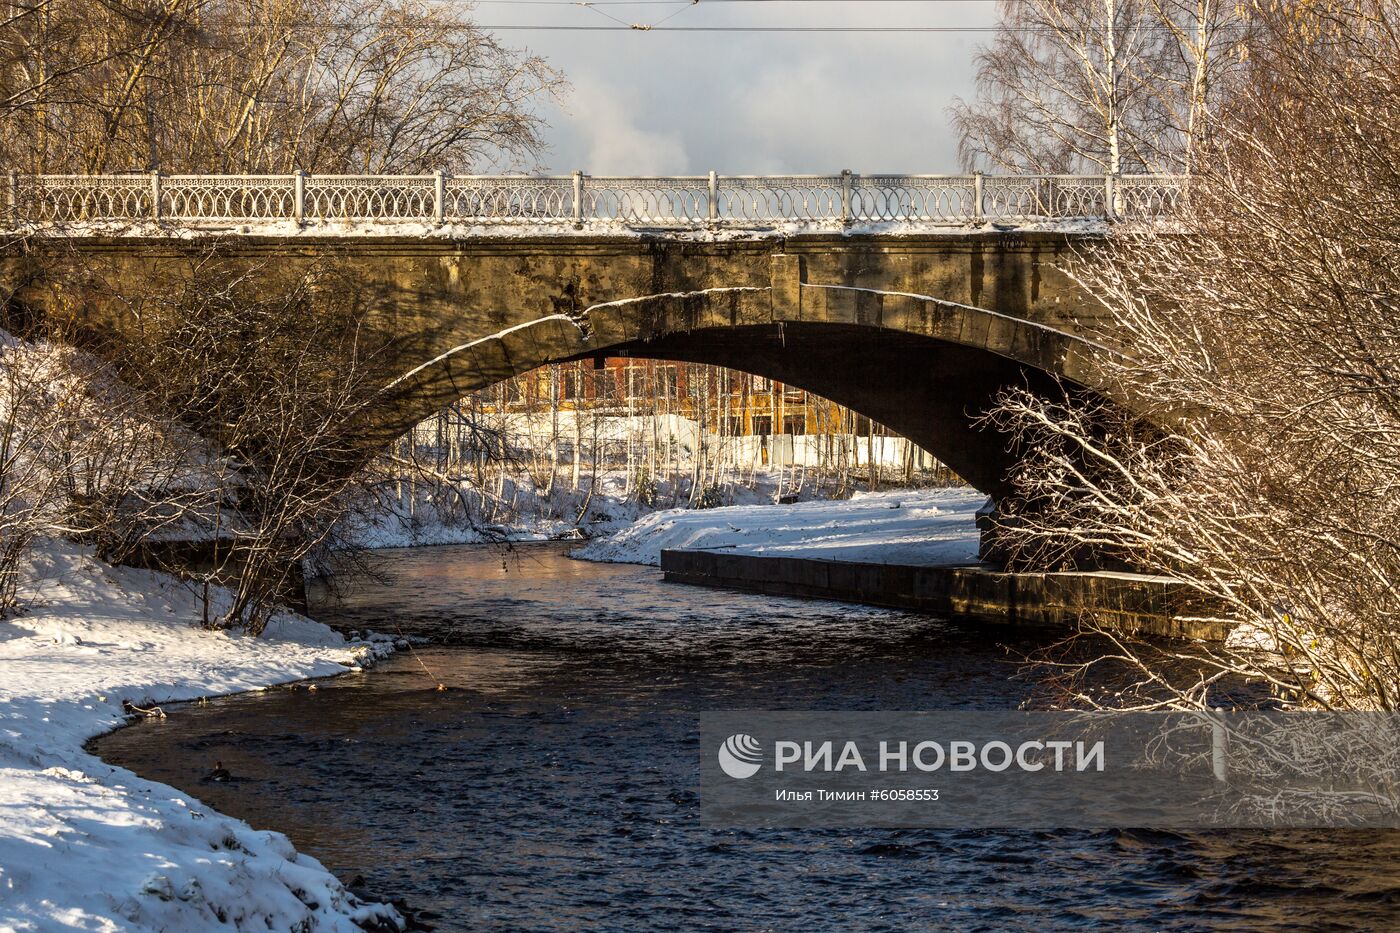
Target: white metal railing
582,201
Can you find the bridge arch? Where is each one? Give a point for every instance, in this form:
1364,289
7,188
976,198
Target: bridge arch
923,366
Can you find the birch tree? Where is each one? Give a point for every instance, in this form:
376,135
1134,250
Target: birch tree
1261,468
1099,86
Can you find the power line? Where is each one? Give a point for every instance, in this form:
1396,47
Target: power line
345,24
593,3
701,3
642,28
681,6
620,25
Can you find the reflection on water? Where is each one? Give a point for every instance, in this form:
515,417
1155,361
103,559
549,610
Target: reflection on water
552,786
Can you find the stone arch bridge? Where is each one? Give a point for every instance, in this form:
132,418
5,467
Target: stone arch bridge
913,299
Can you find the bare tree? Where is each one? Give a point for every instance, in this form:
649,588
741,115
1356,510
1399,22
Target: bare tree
261,86
274,367
268,365
33,395
1262,352
1099,85
82,457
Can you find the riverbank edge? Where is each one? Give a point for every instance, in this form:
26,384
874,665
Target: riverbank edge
400,915
87,844
1131,604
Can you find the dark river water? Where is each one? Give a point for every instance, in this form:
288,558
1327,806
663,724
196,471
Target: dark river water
552,786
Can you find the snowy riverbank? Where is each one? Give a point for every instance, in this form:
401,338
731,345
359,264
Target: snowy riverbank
87,846
92,847
521,512
926,526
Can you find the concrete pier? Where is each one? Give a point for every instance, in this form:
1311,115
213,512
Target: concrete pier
1132,604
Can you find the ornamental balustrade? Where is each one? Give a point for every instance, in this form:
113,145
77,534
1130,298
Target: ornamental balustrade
579,201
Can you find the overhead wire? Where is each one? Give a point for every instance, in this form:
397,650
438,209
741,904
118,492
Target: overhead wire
488,27
642,27
683,2
682,5
620,25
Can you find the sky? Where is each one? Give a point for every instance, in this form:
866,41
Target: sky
659,103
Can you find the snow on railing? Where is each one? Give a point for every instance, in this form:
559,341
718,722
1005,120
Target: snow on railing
582,201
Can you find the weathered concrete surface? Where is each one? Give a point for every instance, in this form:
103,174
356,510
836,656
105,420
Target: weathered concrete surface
1128,604
970,314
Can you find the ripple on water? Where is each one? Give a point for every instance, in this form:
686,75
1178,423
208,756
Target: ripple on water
553,785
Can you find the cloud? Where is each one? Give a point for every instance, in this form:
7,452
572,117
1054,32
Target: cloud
684,103
603,127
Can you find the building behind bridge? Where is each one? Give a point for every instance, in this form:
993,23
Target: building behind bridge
614,402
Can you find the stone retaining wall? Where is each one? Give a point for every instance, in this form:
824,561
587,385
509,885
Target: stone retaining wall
1133,605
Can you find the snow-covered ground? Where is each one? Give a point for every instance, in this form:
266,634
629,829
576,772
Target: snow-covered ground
928,526
431,515
87,846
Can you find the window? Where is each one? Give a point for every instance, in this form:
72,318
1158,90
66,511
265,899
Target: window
570,384
605,384
759,384
648,380
761,424
794,424
636,381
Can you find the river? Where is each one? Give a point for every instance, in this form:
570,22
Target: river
552,785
